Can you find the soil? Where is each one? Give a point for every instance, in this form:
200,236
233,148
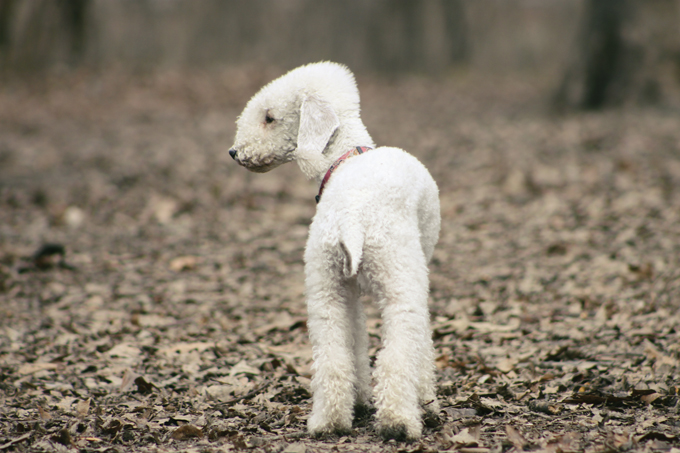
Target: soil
151,291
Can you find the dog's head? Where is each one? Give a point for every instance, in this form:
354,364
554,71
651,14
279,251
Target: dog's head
294,118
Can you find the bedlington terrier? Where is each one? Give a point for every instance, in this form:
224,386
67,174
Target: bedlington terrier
375,228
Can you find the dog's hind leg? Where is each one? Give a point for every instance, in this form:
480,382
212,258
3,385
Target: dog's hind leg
407,346
362,367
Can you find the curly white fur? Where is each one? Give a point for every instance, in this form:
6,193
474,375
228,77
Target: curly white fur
375,229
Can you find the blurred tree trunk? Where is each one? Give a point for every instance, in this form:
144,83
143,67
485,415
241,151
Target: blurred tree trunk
35,34
6,12
74,20
618,54
413,35
457,30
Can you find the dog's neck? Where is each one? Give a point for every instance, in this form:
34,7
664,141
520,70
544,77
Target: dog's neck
352,152
350,134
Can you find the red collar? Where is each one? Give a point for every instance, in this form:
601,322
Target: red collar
352,152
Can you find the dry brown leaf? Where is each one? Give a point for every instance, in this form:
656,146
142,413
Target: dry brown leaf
507,365
162,208
650,398
658,357
63,437
515,437
187,432
297,447
129,377
31,368
92,439
83,407
283,321
620,440
44,414
564,443
143,387
243,368
124,353
183,263
466,437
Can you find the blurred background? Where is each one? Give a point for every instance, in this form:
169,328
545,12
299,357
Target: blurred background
551,127
593,52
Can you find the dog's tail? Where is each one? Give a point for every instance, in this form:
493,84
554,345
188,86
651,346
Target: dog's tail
352,245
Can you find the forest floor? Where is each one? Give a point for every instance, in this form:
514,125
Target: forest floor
174,320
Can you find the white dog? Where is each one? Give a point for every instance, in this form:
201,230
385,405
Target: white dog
375,229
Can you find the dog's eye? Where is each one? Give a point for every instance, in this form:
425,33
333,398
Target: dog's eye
268,118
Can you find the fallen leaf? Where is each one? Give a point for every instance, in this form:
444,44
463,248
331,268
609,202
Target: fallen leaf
125,352
143,387
507,365
128,379
44,414
465,438
620,441
457,414
154,320
92,439
183,263
16,440
243,368
187,432
566,443
658,357
162,208
83,407
649,399
515,437
63,437
544,407
655,435
31,368
297,447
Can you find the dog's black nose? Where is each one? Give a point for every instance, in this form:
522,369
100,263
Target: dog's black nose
232,153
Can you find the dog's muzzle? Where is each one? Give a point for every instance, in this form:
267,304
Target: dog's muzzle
254,163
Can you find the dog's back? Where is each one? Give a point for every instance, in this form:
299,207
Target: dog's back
381,199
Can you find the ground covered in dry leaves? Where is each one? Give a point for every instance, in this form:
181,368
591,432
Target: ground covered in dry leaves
151,291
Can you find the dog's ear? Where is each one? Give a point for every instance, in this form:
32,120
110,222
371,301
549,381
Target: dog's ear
318,122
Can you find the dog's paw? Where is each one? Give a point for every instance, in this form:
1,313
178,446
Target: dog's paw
324,428
399,423
330,433
402,429
397,432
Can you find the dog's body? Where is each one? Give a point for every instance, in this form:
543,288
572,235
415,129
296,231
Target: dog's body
375,229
